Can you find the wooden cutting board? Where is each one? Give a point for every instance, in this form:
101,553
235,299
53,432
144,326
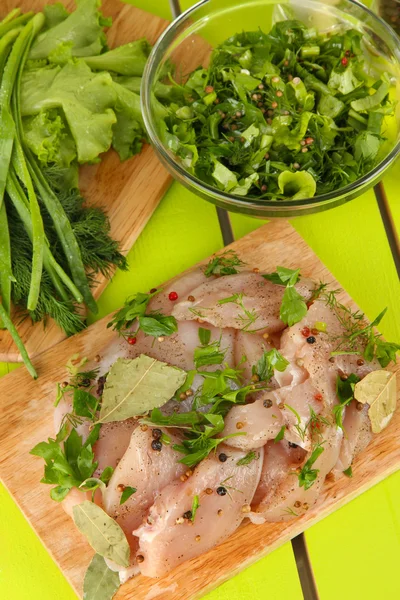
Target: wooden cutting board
129,191
26,418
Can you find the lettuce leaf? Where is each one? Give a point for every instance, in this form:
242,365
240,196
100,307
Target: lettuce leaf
129,59
86,99
83,29
47,136
128,131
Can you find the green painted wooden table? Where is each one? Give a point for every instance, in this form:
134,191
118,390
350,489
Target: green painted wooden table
354,553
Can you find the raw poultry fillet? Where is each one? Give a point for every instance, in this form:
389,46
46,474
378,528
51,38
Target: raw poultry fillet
222,411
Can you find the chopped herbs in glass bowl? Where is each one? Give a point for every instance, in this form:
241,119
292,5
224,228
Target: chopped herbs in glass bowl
297,119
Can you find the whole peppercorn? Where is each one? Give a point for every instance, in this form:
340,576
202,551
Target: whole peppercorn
267,403
221,491
131,341
156,433
187,514
173,296
156,445
292,445
311,339
222,457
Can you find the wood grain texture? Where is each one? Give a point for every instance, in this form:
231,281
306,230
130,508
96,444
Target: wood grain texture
129,192
26,410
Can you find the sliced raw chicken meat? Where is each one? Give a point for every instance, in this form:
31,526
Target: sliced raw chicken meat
178,349
168,539
302,399
357,436
289,499
182,286
313,359
260,421
280,458
146,470
251,346
260,297
113,442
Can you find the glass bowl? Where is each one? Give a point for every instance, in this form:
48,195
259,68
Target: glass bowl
188,43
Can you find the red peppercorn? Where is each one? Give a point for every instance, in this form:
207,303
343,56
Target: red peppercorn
318,397
131,341
173,296
305,332
344,61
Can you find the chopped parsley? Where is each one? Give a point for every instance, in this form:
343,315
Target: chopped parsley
134,313
293,307
345,394
269,361
195,506
307,475
281,115
126,494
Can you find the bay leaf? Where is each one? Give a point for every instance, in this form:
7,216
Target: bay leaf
100,582
102,532
378,390
133,387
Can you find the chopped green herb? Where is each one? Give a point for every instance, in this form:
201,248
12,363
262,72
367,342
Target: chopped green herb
248,318
348,472
278,115
126,494
204,336
224,264
195,506
307,475
210,354
293,307
280,435
345,394
246,460
269,361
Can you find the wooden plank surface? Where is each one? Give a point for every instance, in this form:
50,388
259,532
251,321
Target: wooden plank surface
129,192
26,410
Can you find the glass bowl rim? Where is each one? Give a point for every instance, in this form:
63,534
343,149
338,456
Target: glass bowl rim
204,188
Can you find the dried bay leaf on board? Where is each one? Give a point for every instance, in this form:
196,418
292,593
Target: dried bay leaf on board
102,532
134,387
100,582
378,389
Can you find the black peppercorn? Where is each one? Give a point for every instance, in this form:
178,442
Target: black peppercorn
156,445
187,514
221,491
222,457
293,445
311,339
156,433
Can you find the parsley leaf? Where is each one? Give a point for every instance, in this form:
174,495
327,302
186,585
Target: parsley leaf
307,475
345,394
204,336
68,464
156,324
132,310
209,354
293,307
126,494
269,361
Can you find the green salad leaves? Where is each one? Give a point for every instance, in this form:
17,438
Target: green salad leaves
283,115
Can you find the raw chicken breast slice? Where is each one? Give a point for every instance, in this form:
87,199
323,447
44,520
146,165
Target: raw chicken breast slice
112,444
146,470
251,346
315,358
260,421
182,285
168,539
289,499
178,349
358,434
260,297
302,398
279,459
